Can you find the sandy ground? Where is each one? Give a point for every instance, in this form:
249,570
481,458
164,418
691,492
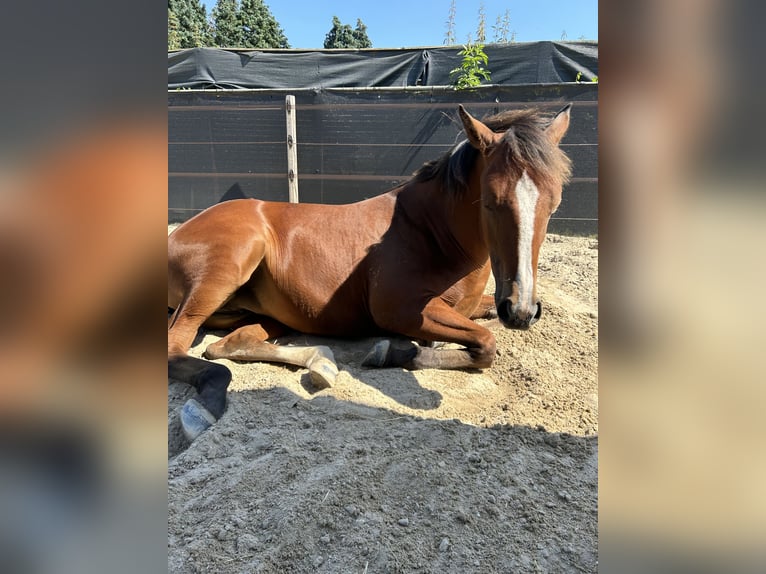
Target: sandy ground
398,471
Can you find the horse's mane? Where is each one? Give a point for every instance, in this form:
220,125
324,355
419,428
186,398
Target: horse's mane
528,149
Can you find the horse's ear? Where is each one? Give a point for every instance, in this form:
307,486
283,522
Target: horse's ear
479,135
559,125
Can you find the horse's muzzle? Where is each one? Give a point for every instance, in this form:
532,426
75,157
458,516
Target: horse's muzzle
515,316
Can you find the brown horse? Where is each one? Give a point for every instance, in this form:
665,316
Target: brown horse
414,261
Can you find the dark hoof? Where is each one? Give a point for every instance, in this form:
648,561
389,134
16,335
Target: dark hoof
489,314
378,354
195,419
323,373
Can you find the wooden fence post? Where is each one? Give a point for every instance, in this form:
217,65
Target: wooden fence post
292,150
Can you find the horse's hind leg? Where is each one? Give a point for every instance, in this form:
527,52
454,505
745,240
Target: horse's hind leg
249,344
200,282
211,380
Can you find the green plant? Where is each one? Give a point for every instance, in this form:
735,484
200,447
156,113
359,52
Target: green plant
472,70
594,79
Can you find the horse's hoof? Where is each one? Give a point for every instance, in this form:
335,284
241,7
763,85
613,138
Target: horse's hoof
323,373
378,354
195,419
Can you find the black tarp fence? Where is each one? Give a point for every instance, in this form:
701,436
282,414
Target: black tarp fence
510,64
354,142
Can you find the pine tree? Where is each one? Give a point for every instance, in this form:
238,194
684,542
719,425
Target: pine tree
339,36
343,36
193,27
226,30
360,35
258,26
174,40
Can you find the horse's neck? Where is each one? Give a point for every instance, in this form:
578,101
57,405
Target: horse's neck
465,217
452,219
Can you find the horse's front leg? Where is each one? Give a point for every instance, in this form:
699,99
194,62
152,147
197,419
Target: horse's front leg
437,322
485,309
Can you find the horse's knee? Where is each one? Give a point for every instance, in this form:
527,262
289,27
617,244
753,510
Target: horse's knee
239,344
484,353
230,347
215,350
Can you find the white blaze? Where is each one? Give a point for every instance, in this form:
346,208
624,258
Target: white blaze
526,199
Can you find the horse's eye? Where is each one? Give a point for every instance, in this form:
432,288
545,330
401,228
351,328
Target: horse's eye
491,207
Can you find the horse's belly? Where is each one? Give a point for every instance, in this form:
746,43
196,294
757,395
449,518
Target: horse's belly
336,314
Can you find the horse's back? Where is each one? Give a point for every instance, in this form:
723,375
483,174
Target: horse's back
219,220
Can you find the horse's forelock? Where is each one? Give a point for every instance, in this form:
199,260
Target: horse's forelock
528,149
529,146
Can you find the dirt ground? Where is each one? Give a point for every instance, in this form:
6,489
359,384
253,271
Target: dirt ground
397,471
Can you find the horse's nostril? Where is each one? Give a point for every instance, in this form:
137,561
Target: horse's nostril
504,311
538,313
516,318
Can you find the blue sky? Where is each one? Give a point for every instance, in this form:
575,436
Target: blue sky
410,23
